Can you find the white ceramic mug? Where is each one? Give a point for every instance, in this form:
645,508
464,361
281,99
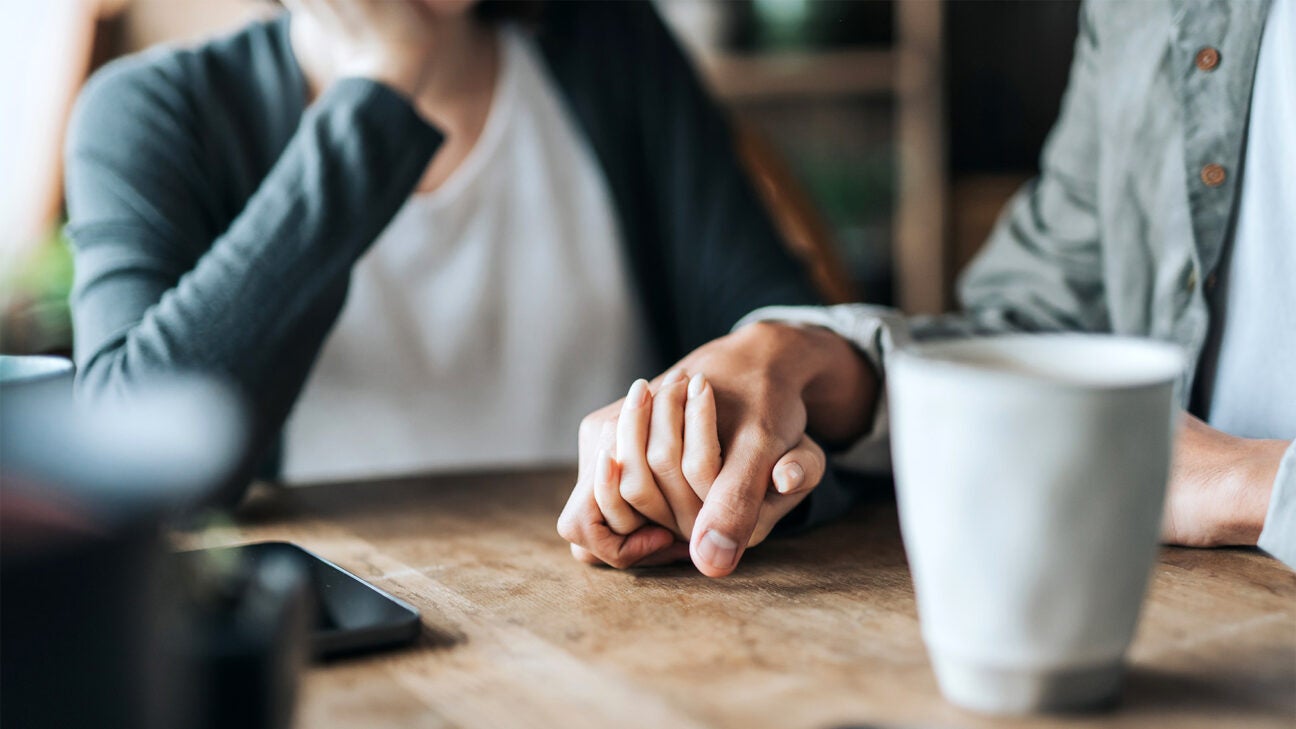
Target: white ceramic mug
1030,474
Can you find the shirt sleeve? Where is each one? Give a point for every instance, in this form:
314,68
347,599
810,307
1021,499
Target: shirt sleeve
1278,537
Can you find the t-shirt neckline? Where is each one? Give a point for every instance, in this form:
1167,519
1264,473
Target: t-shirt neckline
497,119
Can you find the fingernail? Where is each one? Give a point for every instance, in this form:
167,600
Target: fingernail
638,395
718,550
603,467
792,476
672,377
696,385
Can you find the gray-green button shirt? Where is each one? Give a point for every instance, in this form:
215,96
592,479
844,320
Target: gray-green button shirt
1127,222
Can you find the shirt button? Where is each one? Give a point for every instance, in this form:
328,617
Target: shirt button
1213,175
1207,59
1190,282
1211,282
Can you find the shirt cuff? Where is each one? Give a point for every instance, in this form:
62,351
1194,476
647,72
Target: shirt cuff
1279,535
874,331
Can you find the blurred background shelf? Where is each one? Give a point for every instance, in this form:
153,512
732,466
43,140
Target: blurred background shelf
792,75
907,123
850,93
885,134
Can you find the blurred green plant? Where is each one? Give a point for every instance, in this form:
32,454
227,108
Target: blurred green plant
856,194
851,190
34,314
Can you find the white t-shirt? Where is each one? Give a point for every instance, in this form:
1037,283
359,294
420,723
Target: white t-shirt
1253,393
489,317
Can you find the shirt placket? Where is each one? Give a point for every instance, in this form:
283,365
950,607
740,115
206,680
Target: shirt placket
1213,50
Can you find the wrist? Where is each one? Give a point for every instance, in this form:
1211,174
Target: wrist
837,384
841,400
1257,473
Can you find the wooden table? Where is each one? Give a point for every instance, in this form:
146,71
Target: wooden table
812,631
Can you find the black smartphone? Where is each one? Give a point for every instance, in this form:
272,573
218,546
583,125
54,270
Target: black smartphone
351,615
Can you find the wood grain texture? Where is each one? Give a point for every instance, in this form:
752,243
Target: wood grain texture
817,630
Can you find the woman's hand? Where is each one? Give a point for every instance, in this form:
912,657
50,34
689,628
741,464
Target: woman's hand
669,453
619,537
384,40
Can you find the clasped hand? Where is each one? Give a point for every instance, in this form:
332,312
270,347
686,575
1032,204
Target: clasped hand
654,483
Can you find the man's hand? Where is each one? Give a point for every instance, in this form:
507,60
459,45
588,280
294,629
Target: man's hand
759,382
1219,486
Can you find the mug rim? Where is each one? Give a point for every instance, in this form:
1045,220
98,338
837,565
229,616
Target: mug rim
1164,361
45,367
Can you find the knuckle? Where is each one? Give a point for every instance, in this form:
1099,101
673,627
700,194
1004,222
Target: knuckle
697,416
741,504
729,520
663,458
586,558
761,438
591,426
701,470
569,527
636,492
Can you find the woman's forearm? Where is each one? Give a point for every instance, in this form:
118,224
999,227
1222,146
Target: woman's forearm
268,287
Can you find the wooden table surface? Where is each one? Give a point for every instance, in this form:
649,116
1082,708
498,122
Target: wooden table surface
818,630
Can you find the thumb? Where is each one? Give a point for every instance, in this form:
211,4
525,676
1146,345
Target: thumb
728,516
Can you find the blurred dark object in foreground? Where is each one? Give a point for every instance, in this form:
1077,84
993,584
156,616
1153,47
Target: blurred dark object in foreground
96,629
